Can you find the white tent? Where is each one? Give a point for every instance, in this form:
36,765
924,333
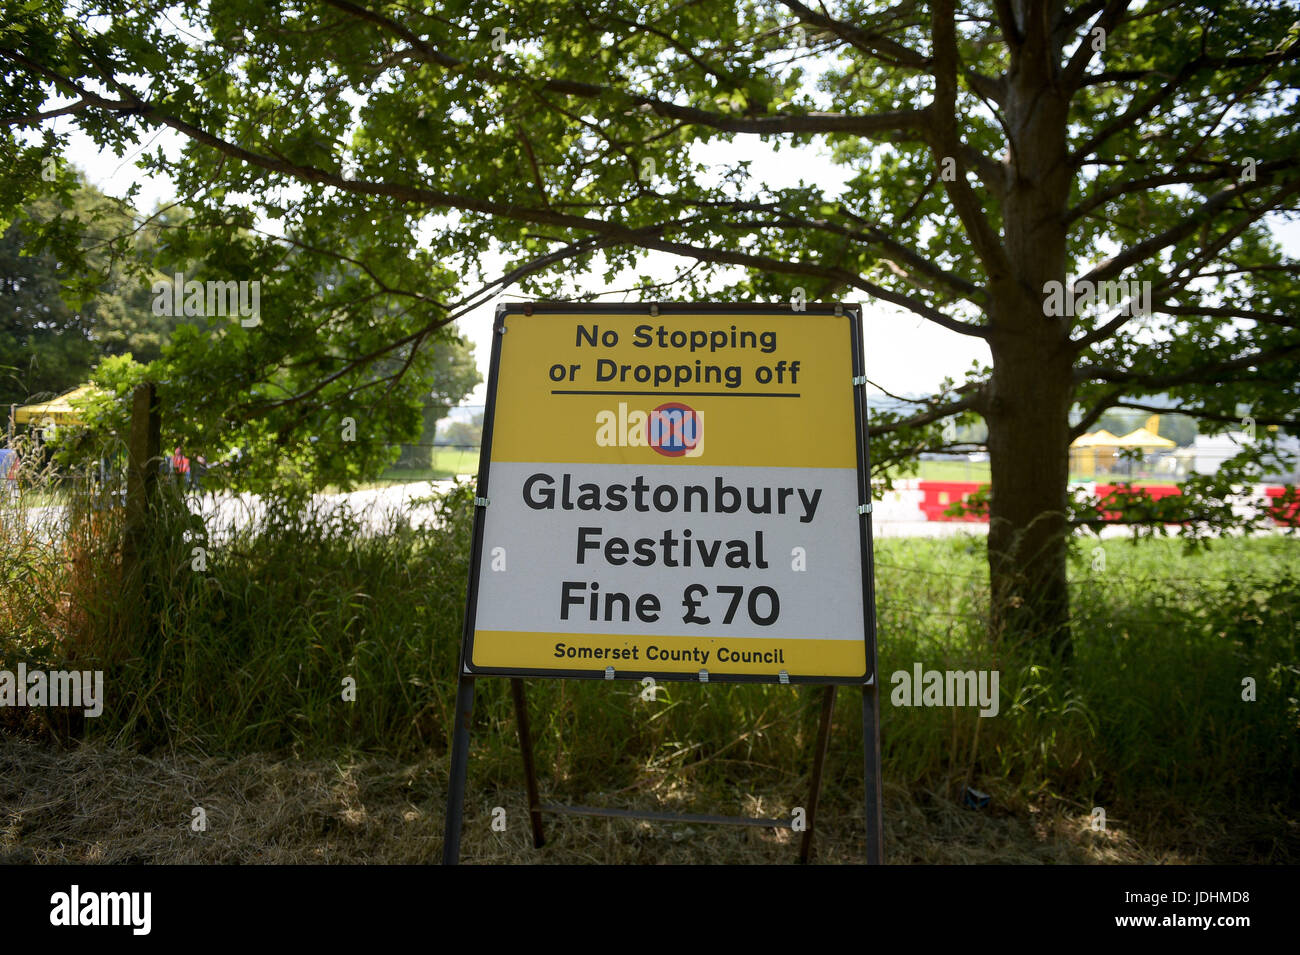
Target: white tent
1211,450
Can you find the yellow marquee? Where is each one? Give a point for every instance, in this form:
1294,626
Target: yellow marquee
1142,438
1102,438
57,411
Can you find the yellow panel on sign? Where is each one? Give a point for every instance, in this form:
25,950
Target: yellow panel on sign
503,648
768,389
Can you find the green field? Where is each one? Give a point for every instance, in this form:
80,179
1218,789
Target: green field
447,463
977,471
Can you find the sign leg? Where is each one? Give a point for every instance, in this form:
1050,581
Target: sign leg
871,754
819,760
530,773
459,770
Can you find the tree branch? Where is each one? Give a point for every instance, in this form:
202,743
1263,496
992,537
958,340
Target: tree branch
1130,116
32,119
762,125
947,143
1269,318
1208,209
1225,171
1095,412
1107,21
926,417
872,235
873,44
644,236
1200,374
1208,415
1205,63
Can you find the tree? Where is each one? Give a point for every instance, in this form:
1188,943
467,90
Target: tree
994,149
44,343
454,376
464,434
299,392
54,329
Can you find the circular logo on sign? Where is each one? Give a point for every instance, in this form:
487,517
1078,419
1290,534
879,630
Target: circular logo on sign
675,428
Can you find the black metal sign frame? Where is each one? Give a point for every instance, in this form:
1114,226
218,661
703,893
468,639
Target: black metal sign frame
869,682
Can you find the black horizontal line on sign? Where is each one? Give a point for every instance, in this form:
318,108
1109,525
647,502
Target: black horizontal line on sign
690,394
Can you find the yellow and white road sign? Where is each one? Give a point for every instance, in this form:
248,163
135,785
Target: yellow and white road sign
676,495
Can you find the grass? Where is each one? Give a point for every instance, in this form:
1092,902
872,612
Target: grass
246,660
977,471
446,463
128,808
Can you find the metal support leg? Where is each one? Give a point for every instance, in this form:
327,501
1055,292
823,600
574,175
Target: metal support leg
819,760
530,773
871,755
459,770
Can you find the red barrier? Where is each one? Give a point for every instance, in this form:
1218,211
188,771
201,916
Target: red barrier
1284,515
1157,491
941,495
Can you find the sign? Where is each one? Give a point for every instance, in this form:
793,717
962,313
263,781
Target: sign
674,495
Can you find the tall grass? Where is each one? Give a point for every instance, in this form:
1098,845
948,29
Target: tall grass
252,653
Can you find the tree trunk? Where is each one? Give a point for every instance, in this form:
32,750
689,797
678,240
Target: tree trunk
1028,451
1030,392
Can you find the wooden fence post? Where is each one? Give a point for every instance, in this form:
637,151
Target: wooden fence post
141,474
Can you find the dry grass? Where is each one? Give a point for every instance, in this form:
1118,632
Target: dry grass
93,804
